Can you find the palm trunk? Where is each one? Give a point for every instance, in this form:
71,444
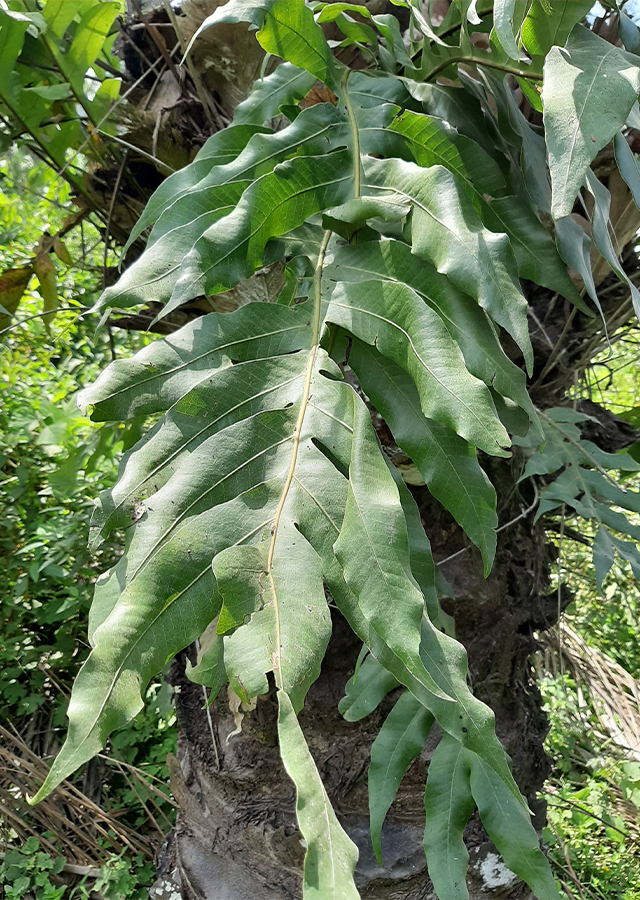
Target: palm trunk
236,834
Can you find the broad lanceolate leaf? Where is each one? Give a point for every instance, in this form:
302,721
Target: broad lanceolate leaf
448,805
331,856
220,149
276,203
399,741
213,192
509,827
447,232
588,90
447,464
550,23
286,85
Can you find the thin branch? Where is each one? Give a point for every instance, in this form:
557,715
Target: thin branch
489,64
509,524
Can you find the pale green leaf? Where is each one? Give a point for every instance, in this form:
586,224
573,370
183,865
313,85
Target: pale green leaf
588,91
509,827
210,670
600,234
448,806
330,856
397,744
628,166
504,12
574,246
290,626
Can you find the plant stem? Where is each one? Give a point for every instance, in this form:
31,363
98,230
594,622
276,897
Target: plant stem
509,70
355,137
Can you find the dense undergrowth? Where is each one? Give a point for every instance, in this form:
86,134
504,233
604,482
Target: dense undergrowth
52,462
593,794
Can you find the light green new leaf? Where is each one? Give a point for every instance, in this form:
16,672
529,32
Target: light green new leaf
59,14
509,827
550,22
397,744
588,91
448,805
331,856
286,85
87,42
286,29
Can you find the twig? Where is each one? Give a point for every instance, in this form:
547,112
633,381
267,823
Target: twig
523,515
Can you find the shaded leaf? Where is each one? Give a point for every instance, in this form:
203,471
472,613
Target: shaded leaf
397,744
448,806
13,284
366,689
287,84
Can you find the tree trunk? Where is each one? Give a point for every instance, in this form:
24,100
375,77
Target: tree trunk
236,836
